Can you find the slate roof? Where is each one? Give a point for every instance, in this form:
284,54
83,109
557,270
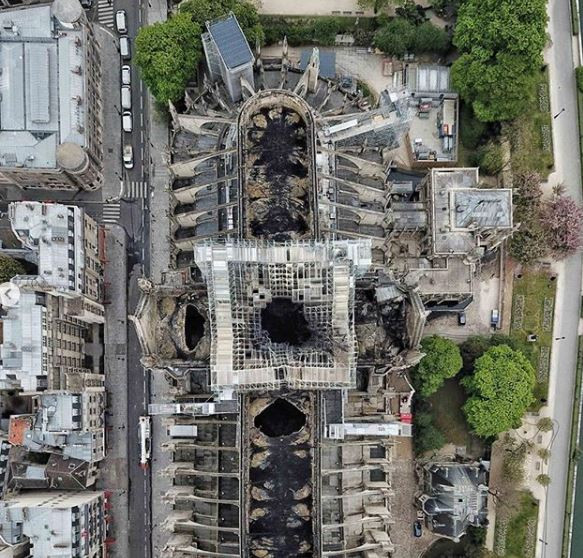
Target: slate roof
230,41
455,497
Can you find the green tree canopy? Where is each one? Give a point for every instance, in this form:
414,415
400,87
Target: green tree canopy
500,391
430,38
395,37
442,360
202,11
501,43
168,54
9,267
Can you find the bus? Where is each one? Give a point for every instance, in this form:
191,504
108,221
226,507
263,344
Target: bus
144,436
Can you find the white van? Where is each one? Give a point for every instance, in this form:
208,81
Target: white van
121,21
126,97
124,48
126,121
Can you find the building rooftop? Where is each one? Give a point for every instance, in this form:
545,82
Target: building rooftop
55,233
462,210
43,87
456,496
19,425
230,41
22,348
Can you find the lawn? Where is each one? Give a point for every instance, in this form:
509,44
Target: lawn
533,301
448,417
530,134
516,519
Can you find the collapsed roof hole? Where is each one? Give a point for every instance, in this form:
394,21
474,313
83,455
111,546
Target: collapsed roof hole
284,321
281,418
193,327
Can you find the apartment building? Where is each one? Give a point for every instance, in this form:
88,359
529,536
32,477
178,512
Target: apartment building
71,424
65,244
57,523
51,112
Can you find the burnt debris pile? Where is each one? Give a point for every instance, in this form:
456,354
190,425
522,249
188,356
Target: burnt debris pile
277,174
284,322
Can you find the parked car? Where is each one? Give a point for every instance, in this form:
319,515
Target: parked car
121,22
128,157
126,121
126,75
417,529
126,97
495,318
125,48
461,318
87,4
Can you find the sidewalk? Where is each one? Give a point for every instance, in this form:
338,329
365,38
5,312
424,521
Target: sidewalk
160,256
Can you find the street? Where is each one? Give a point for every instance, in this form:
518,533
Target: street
129,207
564,353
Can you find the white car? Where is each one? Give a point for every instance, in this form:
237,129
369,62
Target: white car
126,121
125,48
126,75
126,97
128,157
121,22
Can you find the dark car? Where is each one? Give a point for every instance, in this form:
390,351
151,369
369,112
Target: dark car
417,529
461,318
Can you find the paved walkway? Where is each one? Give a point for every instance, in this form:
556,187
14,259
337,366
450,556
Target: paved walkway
160,251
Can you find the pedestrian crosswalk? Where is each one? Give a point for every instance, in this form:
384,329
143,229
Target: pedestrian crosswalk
111,212
135,189
105,12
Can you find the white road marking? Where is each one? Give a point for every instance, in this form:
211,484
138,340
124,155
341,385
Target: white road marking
111,212
105,13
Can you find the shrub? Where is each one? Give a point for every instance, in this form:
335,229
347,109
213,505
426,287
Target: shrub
491,158
396,37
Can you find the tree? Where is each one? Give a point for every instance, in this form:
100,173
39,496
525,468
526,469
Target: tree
395,37
9,267
543,479
426,436
471,349
544,454
430,38
168,54
498,91
513,461
545,424
442,360
501,43
562,221
500,391
530,242
202,11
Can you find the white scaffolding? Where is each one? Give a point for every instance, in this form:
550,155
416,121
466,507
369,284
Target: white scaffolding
243,277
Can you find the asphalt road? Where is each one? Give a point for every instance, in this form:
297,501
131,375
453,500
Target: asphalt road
134,219
564,354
